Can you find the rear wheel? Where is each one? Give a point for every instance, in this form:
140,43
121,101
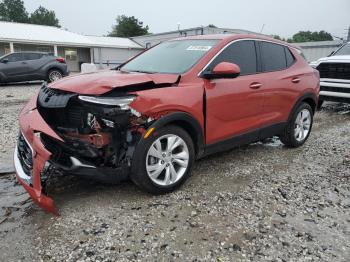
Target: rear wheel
163,161
299,126
319,105
54,75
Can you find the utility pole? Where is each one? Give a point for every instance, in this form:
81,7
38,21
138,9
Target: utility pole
349,34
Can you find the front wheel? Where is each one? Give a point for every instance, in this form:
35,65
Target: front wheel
163,161
299,126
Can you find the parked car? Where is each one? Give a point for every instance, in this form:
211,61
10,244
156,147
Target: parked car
30,66
335,75
151,117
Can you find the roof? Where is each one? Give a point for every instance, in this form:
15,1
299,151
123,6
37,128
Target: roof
107,41
229,30
230,37
50,35
319,43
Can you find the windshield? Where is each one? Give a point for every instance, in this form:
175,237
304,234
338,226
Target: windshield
344,50
174,57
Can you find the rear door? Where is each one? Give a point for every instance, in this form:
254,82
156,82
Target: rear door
34,61
280,82
233,106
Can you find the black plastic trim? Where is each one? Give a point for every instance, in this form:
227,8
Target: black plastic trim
246,138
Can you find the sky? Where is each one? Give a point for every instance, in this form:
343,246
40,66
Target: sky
281,17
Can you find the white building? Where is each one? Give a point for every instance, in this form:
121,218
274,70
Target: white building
75,48
315,50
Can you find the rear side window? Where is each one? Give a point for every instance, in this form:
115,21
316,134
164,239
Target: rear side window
32,56
273,57
289,57
15,57
242,53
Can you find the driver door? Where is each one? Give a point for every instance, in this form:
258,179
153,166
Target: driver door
234,105
15,68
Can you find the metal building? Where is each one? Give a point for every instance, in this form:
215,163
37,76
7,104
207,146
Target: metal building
75,48
315,50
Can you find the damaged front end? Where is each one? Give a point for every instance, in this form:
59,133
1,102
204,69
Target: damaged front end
90,136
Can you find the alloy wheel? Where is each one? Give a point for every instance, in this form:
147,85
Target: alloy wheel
55,75
167,160
302,125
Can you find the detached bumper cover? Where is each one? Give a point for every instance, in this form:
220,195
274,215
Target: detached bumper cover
31,124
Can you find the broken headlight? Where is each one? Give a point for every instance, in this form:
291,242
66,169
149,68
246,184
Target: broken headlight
122,102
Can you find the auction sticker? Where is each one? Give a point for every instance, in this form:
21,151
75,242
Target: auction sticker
202,48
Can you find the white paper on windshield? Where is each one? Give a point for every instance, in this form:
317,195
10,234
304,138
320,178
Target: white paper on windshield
203,48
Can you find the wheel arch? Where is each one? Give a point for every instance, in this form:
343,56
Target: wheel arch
53,68
308,98
188,123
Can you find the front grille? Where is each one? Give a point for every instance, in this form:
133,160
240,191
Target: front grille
334,70
58,154
25,155
53,98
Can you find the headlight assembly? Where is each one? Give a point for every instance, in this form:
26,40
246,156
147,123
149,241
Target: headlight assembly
122,102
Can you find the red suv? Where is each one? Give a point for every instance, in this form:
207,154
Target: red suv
150,118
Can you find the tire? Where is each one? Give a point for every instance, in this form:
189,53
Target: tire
144,158
292,136
54,75
319,105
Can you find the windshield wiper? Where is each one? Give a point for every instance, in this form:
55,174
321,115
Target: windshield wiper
145,72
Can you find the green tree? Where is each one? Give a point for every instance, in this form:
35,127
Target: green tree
42,16
308,36
212,26
128,26
13,11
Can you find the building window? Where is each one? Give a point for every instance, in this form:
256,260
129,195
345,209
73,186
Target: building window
71,54
44,49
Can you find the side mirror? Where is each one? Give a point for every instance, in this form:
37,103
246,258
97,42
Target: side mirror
5,61
224,70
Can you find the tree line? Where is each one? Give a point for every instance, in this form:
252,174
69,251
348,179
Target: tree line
307,36
15,11
126,26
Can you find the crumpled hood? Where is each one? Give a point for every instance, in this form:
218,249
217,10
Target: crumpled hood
102,82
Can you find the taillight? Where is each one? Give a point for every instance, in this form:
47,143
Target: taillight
61,60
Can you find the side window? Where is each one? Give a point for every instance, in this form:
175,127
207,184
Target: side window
273,57
242,53
15,57
32,56
289,57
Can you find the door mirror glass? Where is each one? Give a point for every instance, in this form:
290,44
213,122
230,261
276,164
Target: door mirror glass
5,61
224,70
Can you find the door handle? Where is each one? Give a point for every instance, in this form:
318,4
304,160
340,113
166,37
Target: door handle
255,85
24,63
296,80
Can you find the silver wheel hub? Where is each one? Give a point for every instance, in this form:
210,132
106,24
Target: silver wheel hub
54,75
167,160
302,125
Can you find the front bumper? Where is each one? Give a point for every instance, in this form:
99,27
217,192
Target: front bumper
31,124
336,90
32,129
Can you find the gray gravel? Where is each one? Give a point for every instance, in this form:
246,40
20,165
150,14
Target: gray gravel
261,202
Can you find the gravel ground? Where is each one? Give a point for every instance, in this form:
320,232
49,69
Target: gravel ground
262,202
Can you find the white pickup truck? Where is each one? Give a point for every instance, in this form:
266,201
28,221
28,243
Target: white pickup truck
335,75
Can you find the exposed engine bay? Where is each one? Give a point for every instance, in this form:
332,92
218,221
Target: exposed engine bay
99,132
